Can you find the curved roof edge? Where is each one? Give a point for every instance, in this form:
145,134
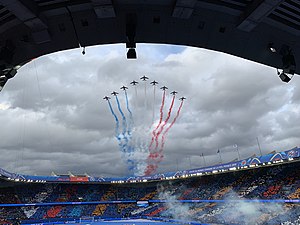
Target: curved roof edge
247,29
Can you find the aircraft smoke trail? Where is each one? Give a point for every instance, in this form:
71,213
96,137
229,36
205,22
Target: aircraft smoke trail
156,157
129,148
145,96
165,122
150,169
136,96
166,131
127,104
129,130
123,147
154,88
117,132
160,119
153,160
123,120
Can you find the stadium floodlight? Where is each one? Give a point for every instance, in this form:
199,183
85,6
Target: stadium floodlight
3,80
131,54
131,21
272,48
11,73
284,77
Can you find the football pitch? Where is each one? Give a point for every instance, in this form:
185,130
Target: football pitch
129,222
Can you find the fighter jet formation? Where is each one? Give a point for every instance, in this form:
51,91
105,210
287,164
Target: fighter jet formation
158,132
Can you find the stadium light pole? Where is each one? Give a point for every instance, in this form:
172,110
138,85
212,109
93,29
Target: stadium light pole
219,155
190,161
258,146
237,149
204,159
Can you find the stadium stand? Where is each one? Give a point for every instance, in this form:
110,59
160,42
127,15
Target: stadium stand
276,182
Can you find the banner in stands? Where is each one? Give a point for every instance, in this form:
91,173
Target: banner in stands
79,179
265,159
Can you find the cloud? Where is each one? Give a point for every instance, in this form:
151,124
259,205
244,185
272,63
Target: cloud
53,117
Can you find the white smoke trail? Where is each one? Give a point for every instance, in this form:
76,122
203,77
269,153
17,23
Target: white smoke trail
153,106
139,155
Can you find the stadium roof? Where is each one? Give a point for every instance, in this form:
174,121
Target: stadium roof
245,28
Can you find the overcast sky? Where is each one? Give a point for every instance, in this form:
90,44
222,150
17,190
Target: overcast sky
53,117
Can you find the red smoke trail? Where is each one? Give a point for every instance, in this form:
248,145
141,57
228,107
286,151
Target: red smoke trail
156,157
160,119
150,168
166,131
153,160
165,122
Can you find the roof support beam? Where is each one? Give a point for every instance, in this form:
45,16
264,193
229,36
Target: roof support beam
27,12
104,8
184,9
256,12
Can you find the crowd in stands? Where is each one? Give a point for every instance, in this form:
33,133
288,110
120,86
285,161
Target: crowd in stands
269,183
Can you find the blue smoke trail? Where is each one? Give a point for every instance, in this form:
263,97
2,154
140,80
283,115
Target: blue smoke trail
117,133
128,104
130,149
126,149
123,147
123,120
129,131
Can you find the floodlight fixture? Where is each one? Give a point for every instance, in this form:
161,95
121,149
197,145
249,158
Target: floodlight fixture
131,54
272,48
3,80
285,78
11,73
131,24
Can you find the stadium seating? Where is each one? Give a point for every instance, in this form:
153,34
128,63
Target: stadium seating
269,183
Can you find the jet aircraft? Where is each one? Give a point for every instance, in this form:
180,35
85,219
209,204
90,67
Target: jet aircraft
106,98
164,88
114,93
154,83
173,92
182,98
134,82
124,88
144,78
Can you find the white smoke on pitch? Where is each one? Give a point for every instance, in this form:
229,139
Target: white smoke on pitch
296,222
241,211
174,209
